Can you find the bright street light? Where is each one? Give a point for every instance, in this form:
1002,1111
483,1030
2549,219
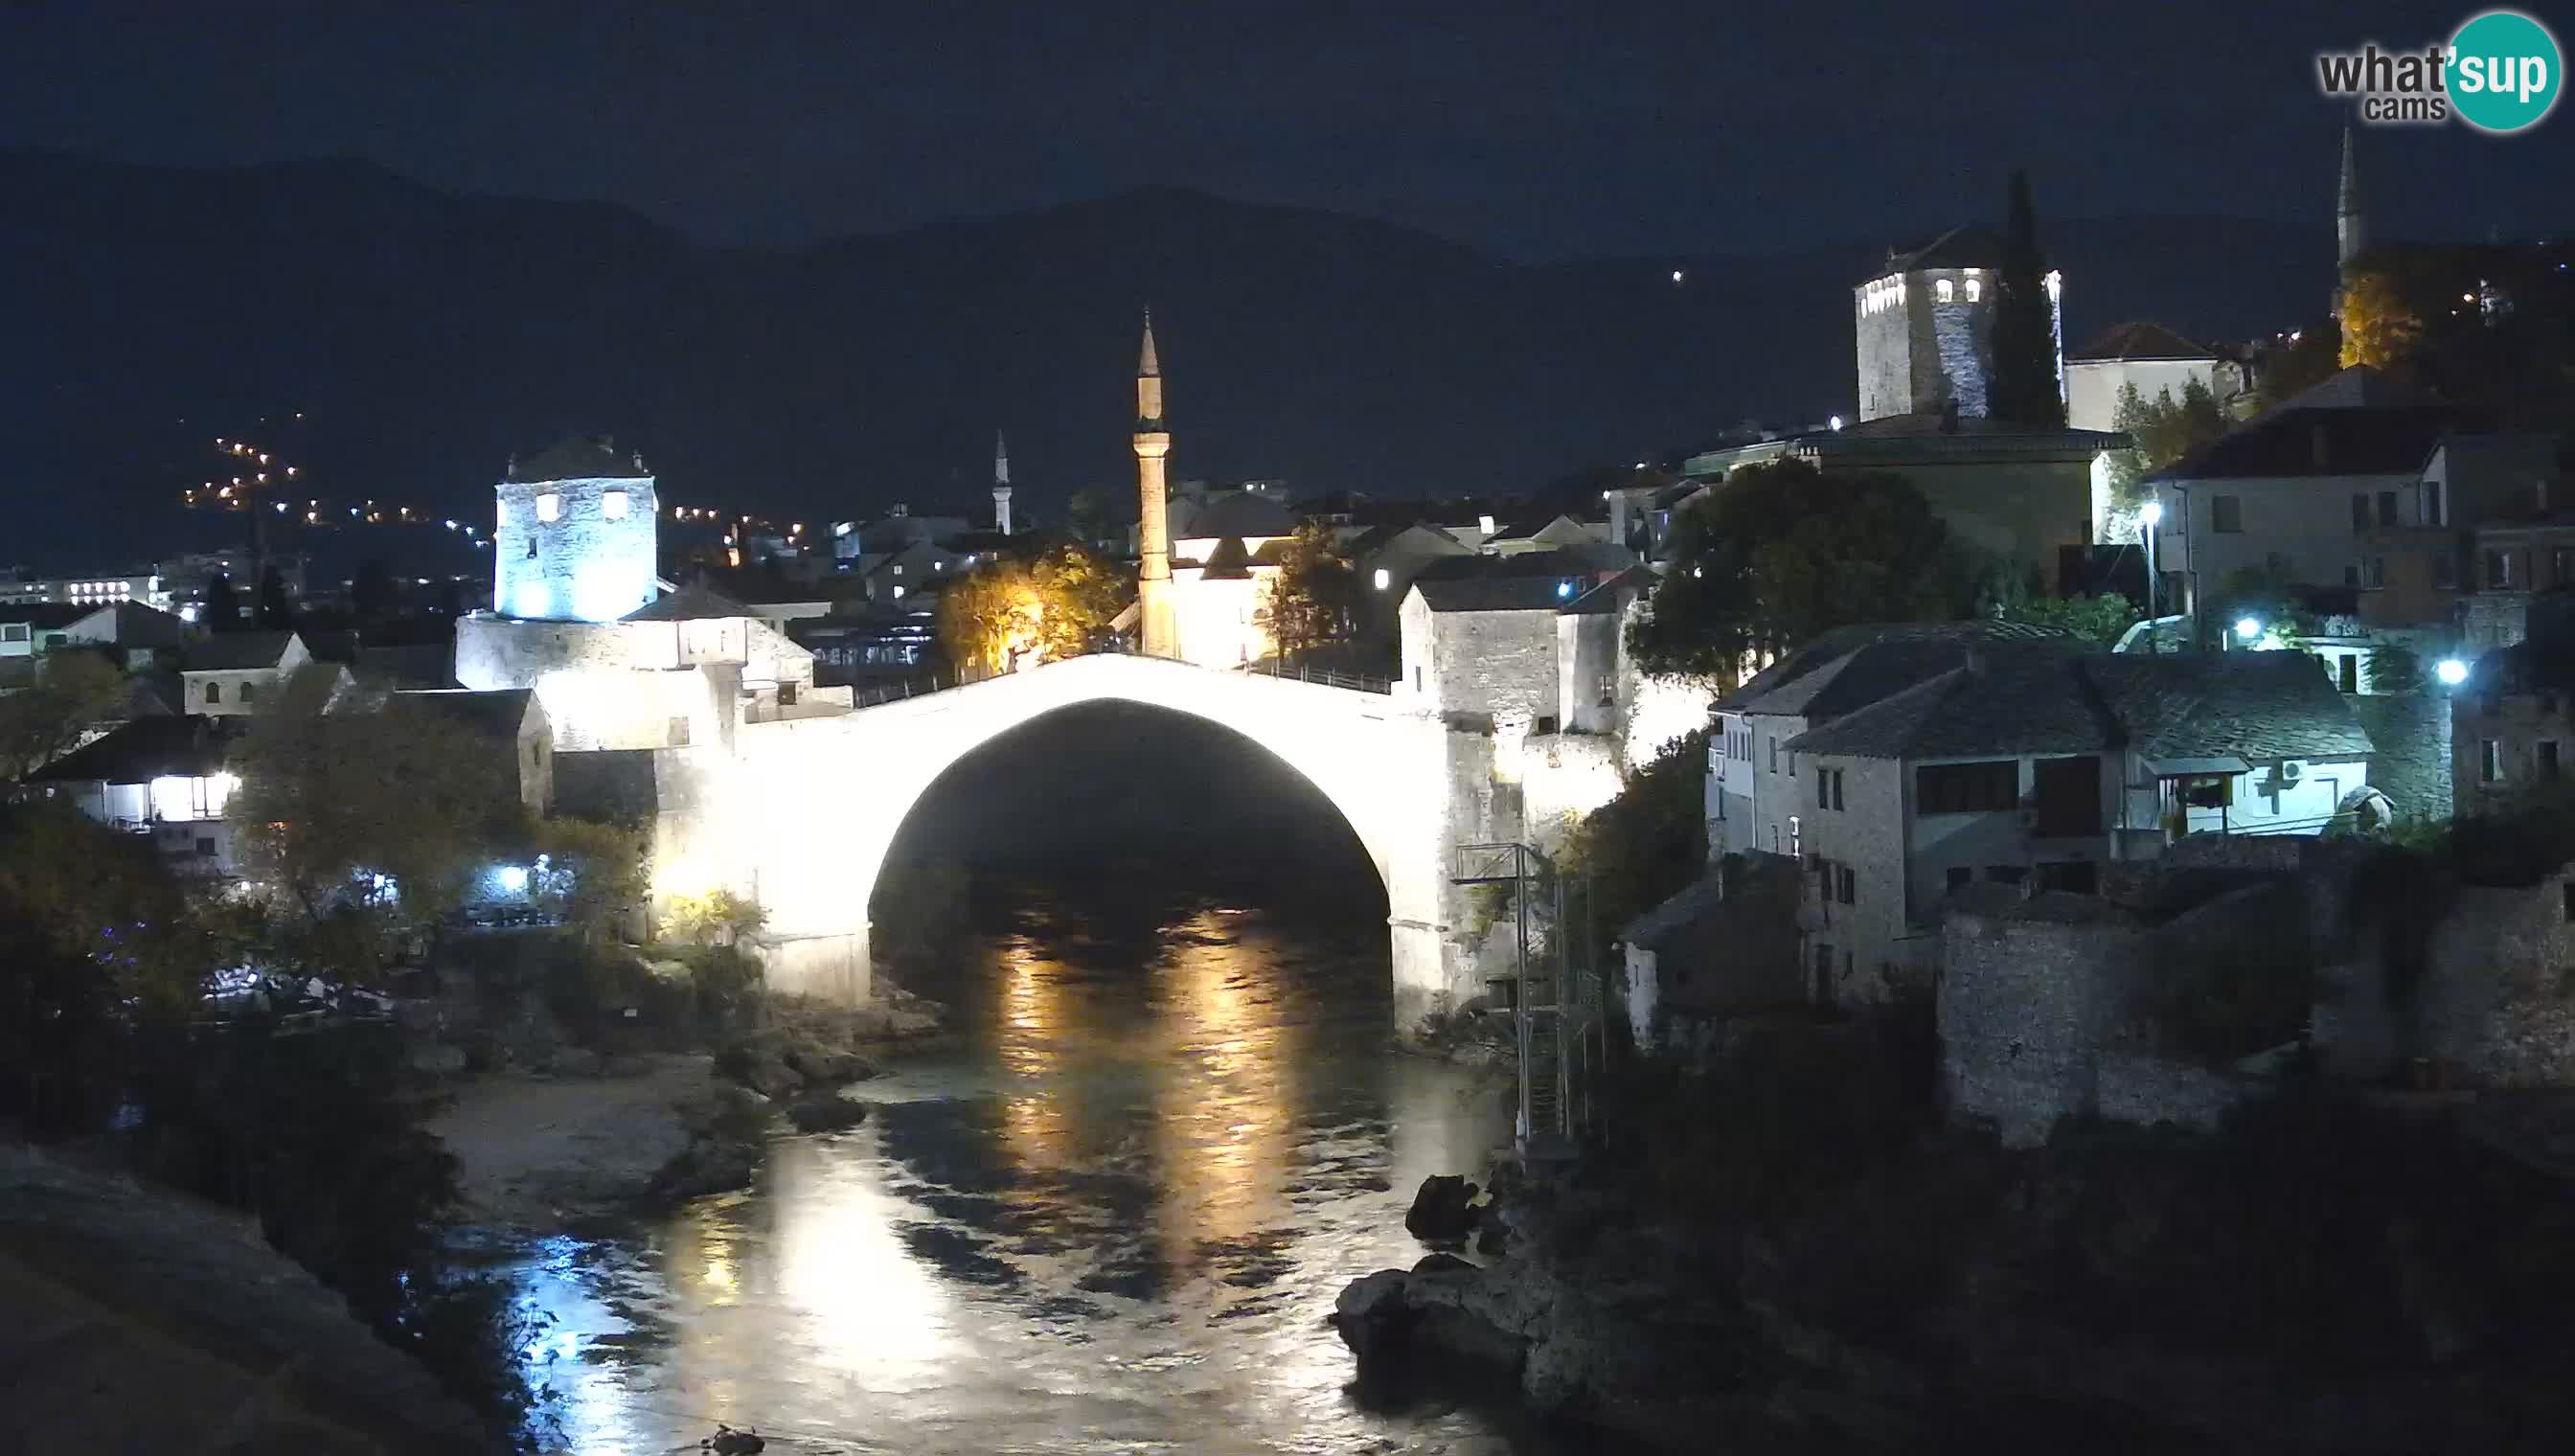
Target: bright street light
2247,627
2451,672
2152,513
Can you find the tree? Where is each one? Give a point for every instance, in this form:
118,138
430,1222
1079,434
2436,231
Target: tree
75,691
365,819
274,614
221,610
2025,389
589,873
2308,359
2104,618
717,916
2163,431
1314,601
989,617
2393,668
1781,552
2379,328
1079,593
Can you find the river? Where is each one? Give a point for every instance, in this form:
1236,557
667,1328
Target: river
1111,1221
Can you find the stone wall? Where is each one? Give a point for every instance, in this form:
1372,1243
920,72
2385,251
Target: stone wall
2496,1001
1498,665
582,564
2412,762
2144,1090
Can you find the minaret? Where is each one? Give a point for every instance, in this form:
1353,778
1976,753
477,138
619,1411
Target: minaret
1001,484
1154,529
2351,230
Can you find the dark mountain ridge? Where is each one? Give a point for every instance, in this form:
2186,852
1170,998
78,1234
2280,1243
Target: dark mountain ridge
428,335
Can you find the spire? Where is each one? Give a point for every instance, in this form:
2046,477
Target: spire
1149,383
1147,365
1001,460
2351,229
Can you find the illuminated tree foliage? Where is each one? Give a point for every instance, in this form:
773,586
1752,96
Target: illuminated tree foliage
2379,328
2165,431
1010,613
2102,618
1314,601
1781,551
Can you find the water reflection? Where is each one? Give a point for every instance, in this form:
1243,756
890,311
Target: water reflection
1114,1222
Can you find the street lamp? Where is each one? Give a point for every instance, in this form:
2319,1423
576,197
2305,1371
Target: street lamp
2153,514
2451,672
2249,628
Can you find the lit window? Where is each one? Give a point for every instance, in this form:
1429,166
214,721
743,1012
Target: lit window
1976,289
550,507
1383,577
1946,289
611,505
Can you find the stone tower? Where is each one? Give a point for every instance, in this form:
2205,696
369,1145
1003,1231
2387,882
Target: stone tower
1923,326
576,535
1001,484
1155,621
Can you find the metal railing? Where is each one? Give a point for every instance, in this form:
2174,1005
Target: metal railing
862,695
1327,678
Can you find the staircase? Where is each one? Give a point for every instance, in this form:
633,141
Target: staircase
1551,990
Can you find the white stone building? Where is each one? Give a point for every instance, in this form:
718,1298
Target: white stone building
2148,356
576,535
235,673
1925,326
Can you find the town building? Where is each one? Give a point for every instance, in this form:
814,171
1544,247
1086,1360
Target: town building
235,673
2144,356
575,536
2035,769
1925,326
166,776
509,722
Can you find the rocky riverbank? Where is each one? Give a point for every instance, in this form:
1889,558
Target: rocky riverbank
594,1137
2324,1281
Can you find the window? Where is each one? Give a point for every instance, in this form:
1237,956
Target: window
611,505
205,846
1838,788
678,736
2387,507
1957,876
1954,788
2226,514
532,547
1384,579
1797,837
550,507
1945,289
13,632
2445,570
2376,578
2067,797
1823,788
2547,757
1976,289
1417,680
1846,885
2561,566
2207,790
249,692
214,692
2432,504
2359,511
2498,569
2490,762
898,568
2348,674
1774,756
787,695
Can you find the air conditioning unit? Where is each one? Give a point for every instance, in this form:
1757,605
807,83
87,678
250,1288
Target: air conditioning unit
2288,770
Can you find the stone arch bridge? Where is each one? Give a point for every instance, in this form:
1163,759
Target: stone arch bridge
801,815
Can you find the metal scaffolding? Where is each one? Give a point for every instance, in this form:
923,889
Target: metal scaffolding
1553,990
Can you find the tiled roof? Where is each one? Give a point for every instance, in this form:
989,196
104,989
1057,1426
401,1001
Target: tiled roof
493,712
1526,580
2137,339
1230,512
146,748
44,616
2259,707
1227,560
2327,441
1499,593
238,652
580,458
1924,649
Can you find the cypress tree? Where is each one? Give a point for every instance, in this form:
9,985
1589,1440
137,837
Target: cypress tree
2024,388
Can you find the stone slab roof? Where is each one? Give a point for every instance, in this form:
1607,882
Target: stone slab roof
688,604
2138,338
493,712
238,652
2328,441
1964,247
581,458
1925,649
190,747
2259,707
45,615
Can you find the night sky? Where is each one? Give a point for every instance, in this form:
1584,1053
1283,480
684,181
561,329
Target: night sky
1534,131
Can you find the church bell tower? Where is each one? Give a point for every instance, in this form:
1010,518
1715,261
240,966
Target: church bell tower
1156,625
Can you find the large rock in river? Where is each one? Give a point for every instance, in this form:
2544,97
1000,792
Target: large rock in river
1442,1210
